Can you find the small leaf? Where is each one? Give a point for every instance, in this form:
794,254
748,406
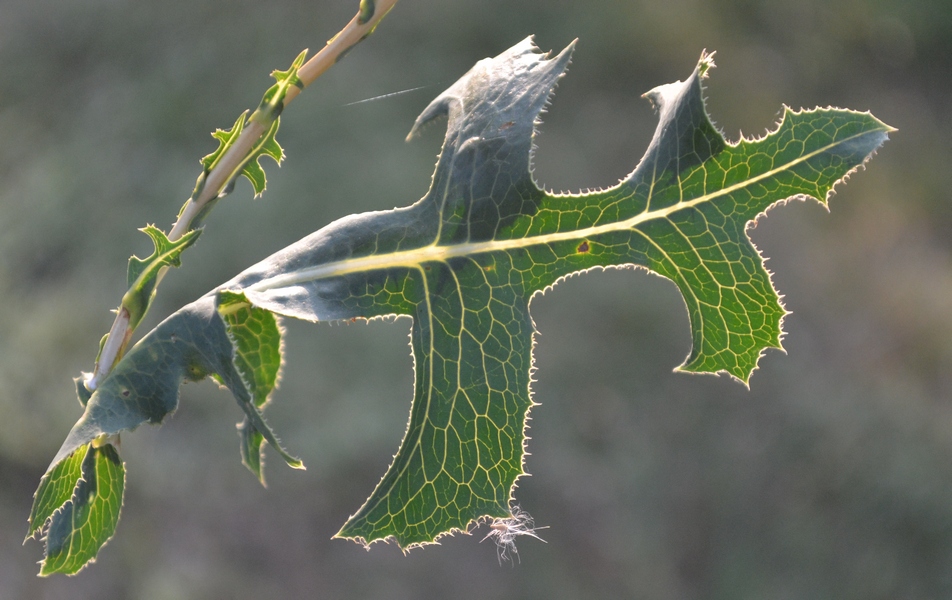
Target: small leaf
268,113
142,273
266,146
165,254
86,521
250,166
272,103
256,336
226,138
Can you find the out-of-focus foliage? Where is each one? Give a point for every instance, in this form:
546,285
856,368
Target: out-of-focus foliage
831,477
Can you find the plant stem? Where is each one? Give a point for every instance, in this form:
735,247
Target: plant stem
361,26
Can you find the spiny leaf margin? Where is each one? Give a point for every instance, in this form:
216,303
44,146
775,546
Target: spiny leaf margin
501,240
142,274
79,528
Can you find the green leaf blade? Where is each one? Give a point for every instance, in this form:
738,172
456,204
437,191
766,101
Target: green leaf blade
272,103
473,351
249,166
256,337
79,529
226,138
142,274
267,146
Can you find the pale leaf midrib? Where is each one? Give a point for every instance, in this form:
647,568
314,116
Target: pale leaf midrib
440,253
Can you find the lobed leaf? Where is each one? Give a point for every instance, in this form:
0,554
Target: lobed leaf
465,262
226,138
249,167
266,146
142,274
269,114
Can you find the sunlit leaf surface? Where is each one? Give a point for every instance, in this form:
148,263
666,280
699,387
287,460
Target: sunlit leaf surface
465,262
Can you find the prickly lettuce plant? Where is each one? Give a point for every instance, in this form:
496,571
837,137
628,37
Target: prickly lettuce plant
77,504
464,262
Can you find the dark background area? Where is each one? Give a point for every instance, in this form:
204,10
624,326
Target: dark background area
830,478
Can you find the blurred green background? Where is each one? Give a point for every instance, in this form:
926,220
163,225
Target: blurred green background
830,478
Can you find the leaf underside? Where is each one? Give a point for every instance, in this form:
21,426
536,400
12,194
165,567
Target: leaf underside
465,261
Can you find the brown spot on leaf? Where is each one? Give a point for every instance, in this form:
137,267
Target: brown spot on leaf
583,247
506,125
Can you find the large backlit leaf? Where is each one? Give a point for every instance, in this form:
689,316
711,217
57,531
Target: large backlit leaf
465,262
